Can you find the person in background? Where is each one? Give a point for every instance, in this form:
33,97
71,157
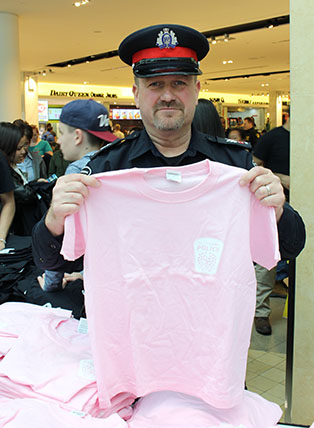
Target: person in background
7,202
117,131
58,164
223,122
271,151
251,133
29,207
206,119
33,166
40,147
84,128
235,134
49,134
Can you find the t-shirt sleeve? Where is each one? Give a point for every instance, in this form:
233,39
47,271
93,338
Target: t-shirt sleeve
73,245
263,235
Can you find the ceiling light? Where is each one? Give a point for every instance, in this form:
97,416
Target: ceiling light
226,38
230,61
270,26
224,62
69,65
213,40
79,3
44,73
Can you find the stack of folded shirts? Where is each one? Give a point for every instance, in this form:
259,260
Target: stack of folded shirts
18,248
46,355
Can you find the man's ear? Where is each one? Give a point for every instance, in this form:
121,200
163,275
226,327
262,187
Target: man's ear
197,89
135,91
79,137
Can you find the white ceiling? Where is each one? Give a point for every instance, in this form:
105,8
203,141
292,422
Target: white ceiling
53,31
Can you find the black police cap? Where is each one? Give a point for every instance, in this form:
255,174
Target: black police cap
163,50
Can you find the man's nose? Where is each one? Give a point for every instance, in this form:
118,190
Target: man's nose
167,94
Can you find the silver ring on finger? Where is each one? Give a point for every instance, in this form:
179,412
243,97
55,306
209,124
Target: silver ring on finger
268,189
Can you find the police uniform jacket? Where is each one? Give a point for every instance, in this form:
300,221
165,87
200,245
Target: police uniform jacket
137,150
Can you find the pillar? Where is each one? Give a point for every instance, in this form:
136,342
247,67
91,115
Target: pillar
275,109
301,195
10,79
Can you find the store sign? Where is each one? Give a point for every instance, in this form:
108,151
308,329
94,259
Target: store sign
125,114
43,111
77,94
244,101
217,100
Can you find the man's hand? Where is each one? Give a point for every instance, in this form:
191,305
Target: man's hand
266,187
284,179
69,194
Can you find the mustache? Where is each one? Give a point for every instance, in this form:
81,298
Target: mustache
170,104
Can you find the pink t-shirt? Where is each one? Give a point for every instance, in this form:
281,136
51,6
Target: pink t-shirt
169,279
172,409
26,412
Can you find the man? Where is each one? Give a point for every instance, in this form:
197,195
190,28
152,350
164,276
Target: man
250,132
165,61
272,151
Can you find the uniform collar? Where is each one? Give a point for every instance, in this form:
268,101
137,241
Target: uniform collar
199,143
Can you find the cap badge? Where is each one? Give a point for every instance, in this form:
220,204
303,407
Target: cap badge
166,39
103,120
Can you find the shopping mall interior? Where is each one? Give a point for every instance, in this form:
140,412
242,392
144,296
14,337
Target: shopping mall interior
259,65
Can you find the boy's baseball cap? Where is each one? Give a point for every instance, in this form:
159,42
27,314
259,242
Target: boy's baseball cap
89,116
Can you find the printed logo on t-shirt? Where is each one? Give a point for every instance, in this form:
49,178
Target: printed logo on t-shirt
207,254
87,370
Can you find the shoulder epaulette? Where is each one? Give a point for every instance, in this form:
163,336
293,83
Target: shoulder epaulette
228,141
115,143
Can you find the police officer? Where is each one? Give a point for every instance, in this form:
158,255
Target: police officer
165,62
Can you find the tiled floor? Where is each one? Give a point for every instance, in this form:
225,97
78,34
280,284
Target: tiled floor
267,358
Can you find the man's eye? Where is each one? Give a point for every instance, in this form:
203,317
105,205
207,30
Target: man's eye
154,84
179,83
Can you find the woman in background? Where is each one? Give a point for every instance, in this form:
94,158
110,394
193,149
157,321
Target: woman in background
7,203
29,208
207,120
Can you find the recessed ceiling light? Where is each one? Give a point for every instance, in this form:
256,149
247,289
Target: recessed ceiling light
79,3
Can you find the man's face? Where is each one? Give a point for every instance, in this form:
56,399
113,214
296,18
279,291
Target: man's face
246,125
67,139
167,103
